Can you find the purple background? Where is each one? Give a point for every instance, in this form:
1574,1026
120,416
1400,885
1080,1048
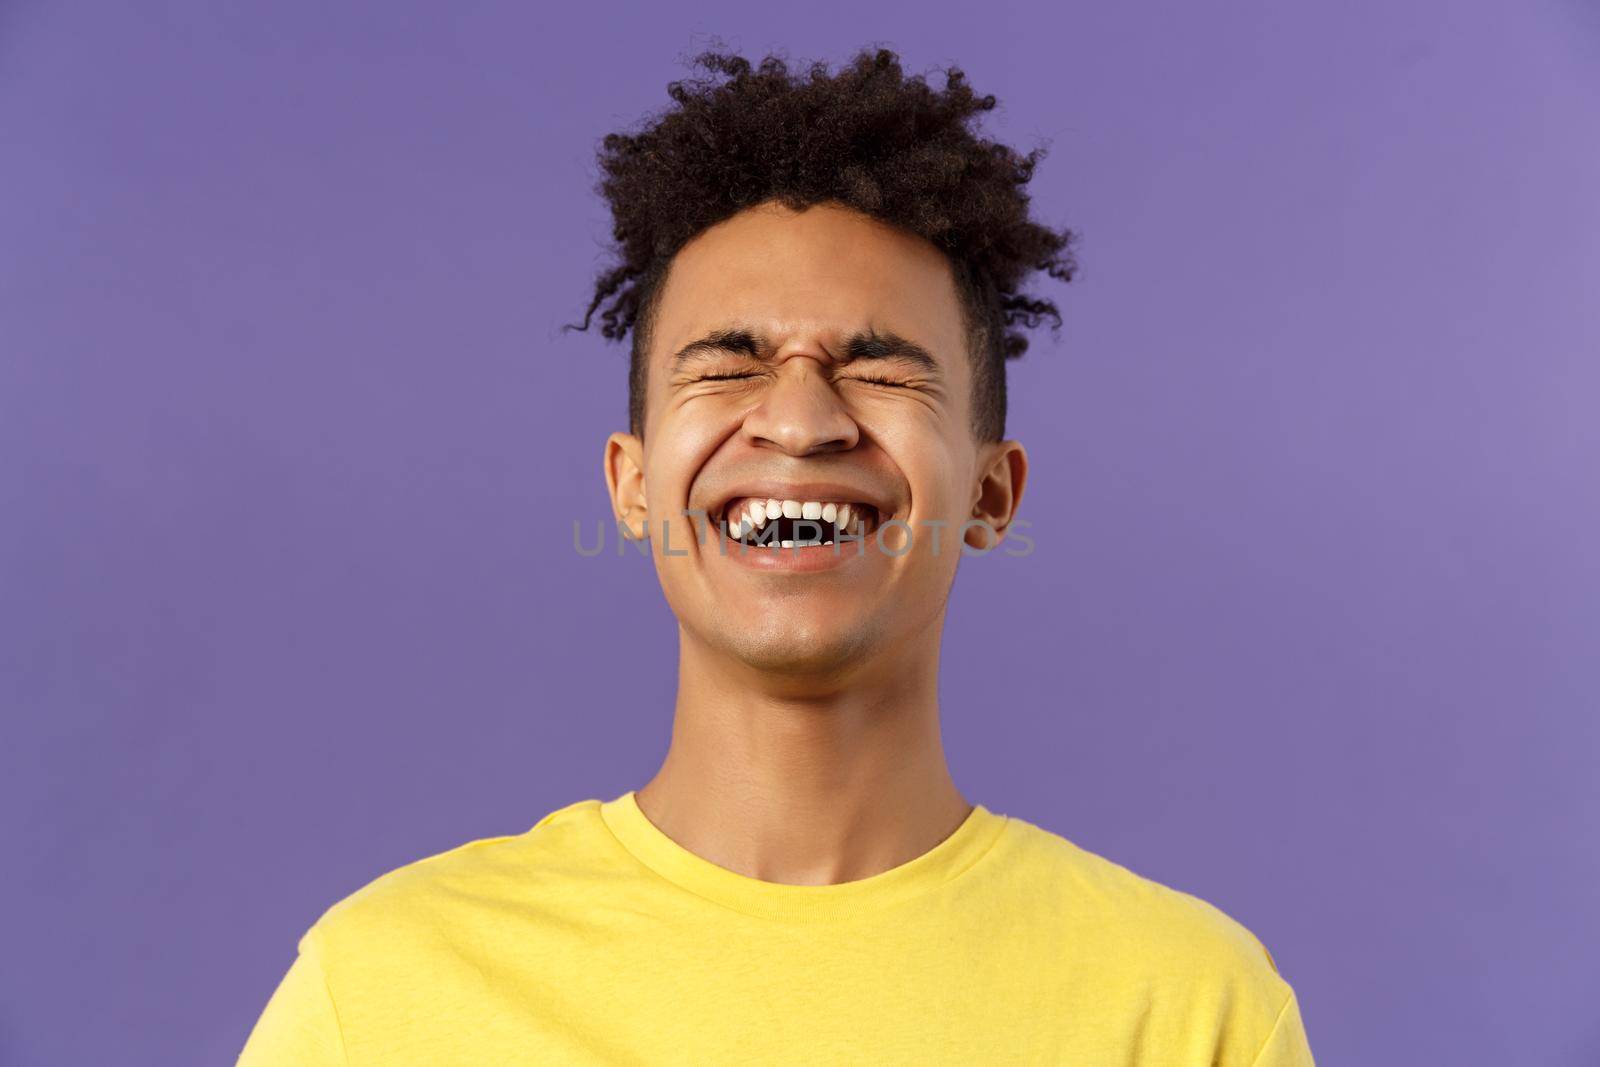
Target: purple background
291,446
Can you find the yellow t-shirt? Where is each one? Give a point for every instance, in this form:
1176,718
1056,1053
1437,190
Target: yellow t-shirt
594,938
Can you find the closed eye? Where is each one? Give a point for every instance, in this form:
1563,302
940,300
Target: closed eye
878,381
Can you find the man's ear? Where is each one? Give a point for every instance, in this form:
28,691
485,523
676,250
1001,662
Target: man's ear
624,464
1002,472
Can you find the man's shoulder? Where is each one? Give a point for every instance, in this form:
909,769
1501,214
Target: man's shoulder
1092,898
477,875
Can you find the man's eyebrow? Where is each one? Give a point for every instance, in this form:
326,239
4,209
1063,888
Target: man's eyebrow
862,345
736,339
869,344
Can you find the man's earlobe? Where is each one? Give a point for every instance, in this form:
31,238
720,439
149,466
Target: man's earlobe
624,469
1003,471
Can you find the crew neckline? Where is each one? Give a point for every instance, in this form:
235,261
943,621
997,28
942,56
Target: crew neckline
650,845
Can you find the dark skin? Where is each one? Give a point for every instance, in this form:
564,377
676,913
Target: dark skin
806,744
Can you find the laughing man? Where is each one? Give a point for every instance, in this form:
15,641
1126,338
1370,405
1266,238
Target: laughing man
819,272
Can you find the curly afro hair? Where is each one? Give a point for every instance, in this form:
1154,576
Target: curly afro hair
867,137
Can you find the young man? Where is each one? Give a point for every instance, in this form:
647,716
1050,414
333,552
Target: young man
820,275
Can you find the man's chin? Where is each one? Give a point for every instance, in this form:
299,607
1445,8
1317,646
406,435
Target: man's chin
801,652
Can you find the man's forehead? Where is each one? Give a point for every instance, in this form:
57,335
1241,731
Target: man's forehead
765,305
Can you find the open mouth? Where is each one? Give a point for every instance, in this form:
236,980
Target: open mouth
772,523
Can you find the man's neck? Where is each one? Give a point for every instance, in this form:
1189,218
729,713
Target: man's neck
805,784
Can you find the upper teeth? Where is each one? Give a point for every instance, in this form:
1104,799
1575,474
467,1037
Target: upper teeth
753,514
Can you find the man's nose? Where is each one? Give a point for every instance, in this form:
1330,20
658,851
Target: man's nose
801,413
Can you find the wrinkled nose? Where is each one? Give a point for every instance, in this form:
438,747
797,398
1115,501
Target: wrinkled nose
801,413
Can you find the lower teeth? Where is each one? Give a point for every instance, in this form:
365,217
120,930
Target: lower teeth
783,544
